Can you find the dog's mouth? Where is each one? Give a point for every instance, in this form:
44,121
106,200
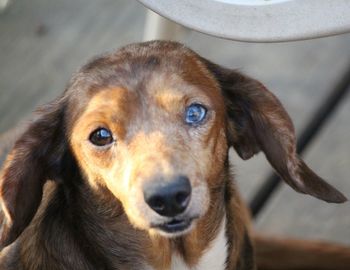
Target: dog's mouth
175,226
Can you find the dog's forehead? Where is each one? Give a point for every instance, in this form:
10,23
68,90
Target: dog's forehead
135,63
144,68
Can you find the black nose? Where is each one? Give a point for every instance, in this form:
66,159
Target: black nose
168,198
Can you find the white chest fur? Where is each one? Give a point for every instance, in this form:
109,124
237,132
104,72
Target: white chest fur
213,258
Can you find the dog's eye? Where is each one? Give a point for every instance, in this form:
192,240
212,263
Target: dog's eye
101,137
195,114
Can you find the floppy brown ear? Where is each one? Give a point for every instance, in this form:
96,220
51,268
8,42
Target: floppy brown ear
34,158
258,122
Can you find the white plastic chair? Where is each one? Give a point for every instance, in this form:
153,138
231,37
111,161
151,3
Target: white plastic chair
249,20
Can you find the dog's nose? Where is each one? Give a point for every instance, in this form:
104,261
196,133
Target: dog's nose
168,198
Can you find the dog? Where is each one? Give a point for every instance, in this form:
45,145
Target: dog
129,168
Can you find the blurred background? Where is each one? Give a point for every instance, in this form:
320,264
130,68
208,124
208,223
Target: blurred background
43,42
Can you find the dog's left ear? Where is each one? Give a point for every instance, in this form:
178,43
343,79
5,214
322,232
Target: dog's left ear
258,122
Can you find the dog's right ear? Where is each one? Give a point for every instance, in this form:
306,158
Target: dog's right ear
258,122
34,158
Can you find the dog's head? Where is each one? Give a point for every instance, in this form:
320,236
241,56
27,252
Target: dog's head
152,124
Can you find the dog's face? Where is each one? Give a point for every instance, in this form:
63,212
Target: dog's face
152,124
158,145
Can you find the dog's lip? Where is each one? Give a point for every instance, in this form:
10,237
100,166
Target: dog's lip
175,225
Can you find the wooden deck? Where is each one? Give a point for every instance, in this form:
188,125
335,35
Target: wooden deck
43,42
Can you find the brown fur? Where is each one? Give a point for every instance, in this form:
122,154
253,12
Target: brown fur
92,214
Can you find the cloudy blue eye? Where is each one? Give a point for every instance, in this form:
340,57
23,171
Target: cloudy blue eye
101,137
195,114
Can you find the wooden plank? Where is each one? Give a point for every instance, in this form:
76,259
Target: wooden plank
43,42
